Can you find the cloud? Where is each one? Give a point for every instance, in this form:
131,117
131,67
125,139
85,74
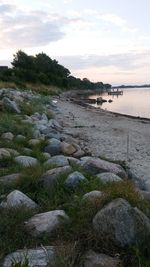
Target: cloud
5,8
123,62
29,29
117,21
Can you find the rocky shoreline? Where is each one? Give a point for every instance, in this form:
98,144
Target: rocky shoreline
66,186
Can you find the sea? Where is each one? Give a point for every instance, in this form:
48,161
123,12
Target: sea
134,102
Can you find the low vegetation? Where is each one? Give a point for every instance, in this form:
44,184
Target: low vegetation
77,236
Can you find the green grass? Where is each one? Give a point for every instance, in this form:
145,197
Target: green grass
13,123
78,235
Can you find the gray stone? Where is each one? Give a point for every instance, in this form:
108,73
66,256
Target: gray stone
73,161
55,125
53,148
145,194
36,134
96,166
26,161
68,149
49,132
147,185
120,223
20,138
13,152
58,161
27,151
93,195
46,222
74,179
51,177
135,179
37,257
34,142
46,155
93,259
16,199
10,179
11,105
4,153
79,153
8,136
108,177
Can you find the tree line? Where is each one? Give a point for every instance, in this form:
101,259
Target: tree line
42,69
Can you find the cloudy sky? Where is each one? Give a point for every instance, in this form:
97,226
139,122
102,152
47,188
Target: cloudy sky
103,40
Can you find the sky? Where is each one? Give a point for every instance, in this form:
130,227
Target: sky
102,40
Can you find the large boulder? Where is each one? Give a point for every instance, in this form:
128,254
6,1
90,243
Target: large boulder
147,185
75,179
51,177
8,136
16,199
67,149
53,148
108,177
46,222
26,161
93,195
10,105
37,257
96,166
93,259
58,161
4,153
120,223
10,179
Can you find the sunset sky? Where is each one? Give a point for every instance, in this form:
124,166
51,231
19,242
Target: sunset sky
103,40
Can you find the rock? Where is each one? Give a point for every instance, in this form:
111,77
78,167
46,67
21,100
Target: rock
55,125
20,138
13,152
27,151
93,195
51,177
4,153
73,161
46,222
10,179
108,177
51,133
96,166
38,257
135,179
16,199
92,259
46,155
58,161
8,136
120,223
145,194
36,134
80,153
147,185
74,179
67,149
11,105
53,148
34,142
26,161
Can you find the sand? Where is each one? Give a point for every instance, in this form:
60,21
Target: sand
108,135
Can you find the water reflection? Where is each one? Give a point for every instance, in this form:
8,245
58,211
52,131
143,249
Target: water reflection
134,102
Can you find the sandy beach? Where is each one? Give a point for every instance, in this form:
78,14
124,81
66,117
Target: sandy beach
109,135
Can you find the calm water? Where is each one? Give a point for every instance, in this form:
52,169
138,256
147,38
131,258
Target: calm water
134,102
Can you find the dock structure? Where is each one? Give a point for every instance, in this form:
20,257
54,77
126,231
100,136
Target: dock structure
115,92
